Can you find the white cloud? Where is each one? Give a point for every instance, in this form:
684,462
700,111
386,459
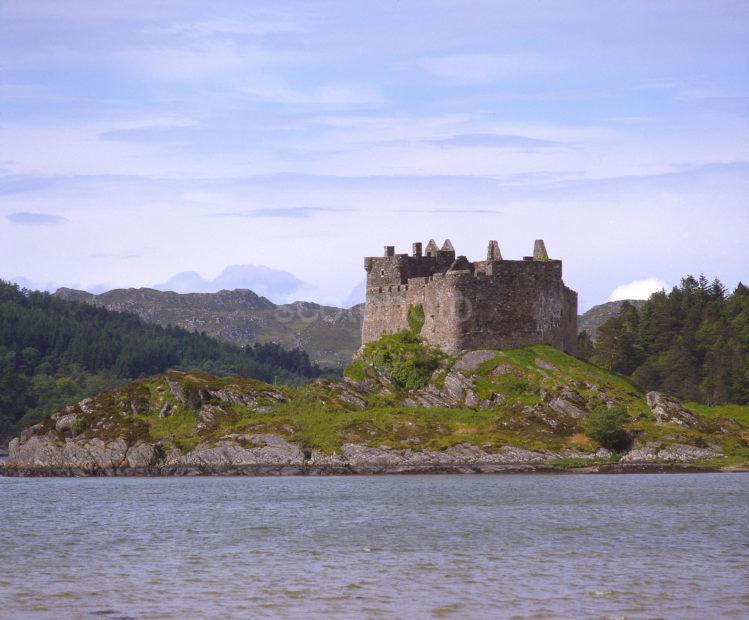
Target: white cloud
483,68
638,289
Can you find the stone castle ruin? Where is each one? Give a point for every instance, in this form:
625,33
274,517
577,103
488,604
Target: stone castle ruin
494,303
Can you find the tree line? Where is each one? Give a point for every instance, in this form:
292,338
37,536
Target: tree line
54,352
692,342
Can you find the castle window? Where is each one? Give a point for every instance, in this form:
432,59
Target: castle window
382,272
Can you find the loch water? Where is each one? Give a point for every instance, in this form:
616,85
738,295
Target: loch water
482,546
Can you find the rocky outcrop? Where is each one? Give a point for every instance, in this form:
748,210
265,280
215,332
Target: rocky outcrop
677,452
81,456
267,454
668,410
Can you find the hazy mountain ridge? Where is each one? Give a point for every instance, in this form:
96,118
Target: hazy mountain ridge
592,319
328,334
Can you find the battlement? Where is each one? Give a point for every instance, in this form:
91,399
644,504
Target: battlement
397,269
488,303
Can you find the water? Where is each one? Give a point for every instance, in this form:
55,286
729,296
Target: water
535,546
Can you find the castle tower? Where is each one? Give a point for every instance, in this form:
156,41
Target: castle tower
492,252
539,250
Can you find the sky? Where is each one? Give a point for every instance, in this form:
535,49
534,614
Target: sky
141,140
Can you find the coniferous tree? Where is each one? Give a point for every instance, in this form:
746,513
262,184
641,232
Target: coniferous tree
692,342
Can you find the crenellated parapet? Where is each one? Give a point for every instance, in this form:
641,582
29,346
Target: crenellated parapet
492,303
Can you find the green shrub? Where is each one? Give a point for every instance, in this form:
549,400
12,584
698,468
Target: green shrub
607,426
416,318
79,425
404,357
356,370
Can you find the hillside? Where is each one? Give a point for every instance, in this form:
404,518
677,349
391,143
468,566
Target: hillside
329,335
516,410
592,319
55,351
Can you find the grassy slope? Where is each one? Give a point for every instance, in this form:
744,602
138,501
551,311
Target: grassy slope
314,417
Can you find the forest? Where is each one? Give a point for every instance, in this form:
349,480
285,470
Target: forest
692,342
55,352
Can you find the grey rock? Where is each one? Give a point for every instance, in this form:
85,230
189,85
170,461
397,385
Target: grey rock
207,416
65,422
165,411
573,396
454,387
503,369
82,456
267,450
87,405
565,407
669,410
544,364
471,360
234,397
674,453
493,400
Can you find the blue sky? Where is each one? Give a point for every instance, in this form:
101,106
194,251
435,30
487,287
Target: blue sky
141,139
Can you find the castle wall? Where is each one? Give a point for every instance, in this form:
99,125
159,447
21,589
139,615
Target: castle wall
385,311
487,304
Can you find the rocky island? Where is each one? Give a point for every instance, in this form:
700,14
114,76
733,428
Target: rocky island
517,410
466,367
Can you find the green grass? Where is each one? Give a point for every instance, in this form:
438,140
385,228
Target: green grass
315,417
740,413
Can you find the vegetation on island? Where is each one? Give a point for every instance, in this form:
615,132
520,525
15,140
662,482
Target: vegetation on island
512,398
55,352
692,343
404,357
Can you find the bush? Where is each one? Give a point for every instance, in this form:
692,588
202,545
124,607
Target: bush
607,426
356,370
404,357
416,318
79,425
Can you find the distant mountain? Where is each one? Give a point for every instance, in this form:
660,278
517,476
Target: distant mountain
591,320
275,284
329,335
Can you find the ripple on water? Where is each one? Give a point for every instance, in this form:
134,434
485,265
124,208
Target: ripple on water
419,546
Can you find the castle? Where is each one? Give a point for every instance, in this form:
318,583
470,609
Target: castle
493,304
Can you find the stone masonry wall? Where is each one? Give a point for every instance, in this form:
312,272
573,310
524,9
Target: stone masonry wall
488,304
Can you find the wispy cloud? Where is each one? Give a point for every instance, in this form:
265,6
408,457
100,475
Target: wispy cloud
148,133
477,69
495,141
462,211
286,212
35,219
17,183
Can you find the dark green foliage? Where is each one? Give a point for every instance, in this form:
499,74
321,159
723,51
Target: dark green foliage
416,318
692,342
607,426
404,357
54,352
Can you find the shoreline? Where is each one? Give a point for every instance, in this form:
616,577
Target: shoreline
12,471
